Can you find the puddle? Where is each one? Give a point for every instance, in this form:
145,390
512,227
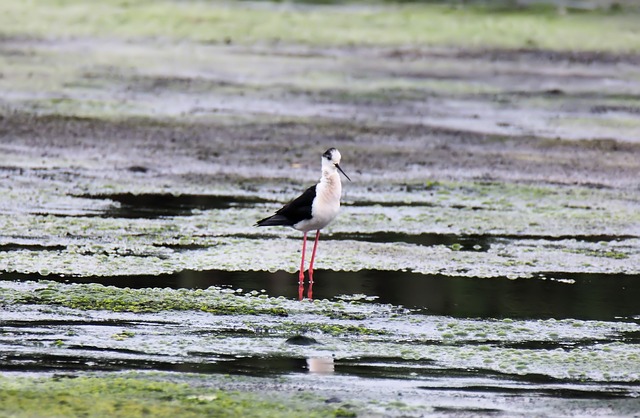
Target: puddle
30,247
151,206
550,295
250,366
369,367
459,242
470,242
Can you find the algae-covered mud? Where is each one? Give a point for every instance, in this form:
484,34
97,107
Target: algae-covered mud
486,259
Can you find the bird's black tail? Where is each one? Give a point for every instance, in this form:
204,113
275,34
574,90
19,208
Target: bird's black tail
274,220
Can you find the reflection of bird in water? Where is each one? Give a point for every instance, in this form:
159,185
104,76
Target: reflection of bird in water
322,365
313,210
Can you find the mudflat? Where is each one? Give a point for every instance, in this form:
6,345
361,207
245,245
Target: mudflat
486,259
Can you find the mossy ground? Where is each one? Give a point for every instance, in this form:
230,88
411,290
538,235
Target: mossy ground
238,22
128,396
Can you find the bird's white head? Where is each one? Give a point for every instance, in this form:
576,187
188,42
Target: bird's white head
331,162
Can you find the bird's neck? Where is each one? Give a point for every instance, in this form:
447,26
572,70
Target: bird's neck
329,176
331,180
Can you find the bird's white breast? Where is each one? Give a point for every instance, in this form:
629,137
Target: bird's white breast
326,204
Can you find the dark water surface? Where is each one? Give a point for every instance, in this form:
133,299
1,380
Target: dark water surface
156,205
593,296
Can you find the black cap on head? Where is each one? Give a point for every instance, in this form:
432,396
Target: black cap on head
328,154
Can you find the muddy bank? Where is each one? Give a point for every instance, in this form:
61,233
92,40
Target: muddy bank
398,116
204,153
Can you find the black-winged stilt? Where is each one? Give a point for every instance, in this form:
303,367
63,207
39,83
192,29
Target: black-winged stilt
313,209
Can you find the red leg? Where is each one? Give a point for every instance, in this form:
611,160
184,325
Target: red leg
304,250
310,291
313,256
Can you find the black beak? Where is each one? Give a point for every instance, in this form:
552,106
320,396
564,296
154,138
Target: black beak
345,174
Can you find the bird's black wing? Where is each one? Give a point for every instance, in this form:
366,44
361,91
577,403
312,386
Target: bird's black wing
293,212
299,208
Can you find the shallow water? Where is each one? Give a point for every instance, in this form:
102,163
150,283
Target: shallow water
156,205
549,295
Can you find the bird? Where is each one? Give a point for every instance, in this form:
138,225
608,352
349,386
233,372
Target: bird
314,209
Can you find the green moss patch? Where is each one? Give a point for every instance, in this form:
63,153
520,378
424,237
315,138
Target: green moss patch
137,397
215,300
95,296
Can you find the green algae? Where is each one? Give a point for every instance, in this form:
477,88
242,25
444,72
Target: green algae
112,396
214,300
388,25
95,296
335,329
